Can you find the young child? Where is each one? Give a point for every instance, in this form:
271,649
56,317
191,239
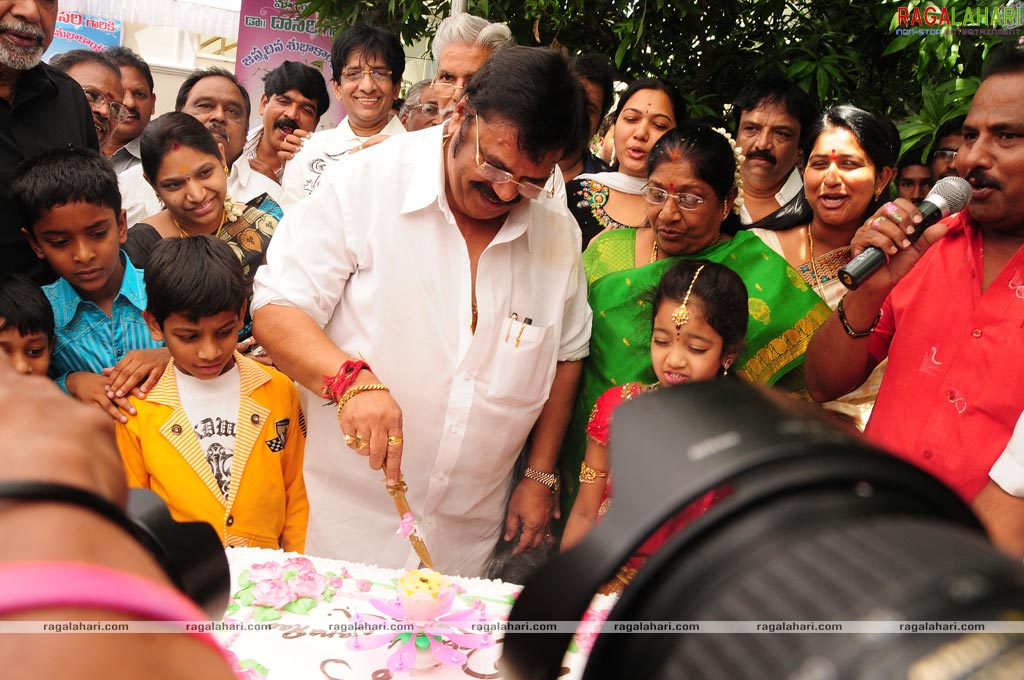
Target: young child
700,318
70,209
26,325
220,437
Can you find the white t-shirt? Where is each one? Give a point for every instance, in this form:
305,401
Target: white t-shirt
212,408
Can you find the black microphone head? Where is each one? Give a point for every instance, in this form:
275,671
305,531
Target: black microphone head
955,191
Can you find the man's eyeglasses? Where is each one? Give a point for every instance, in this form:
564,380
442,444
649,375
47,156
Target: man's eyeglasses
944,154
499,176
429,109
446,89
656,196
118,111
354,75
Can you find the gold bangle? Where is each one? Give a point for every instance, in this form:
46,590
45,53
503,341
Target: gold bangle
589,475
353,391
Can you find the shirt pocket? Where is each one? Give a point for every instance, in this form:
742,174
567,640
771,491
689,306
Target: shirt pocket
524,365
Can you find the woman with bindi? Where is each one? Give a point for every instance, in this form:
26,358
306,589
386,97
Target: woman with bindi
850,163
692,187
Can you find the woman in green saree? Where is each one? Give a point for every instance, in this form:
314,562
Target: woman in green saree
691,190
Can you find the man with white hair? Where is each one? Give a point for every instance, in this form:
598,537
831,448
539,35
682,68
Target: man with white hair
420,108
462,44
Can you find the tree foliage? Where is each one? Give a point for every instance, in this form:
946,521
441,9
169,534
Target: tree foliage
838,50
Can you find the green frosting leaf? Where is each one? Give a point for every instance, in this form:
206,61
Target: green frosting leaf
243,579
245,595
328,594
232,609
300,606
246,664
264,614
573,647
289,575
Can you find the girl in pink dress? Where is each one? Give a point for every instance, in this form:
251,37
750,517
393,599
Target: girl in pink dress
700,318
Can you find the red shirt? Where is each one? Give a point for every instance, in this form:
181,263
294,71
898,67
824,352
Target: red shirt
954,386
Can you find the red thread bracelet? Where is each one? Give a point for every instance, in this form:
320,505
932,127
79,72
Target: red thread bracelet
336,385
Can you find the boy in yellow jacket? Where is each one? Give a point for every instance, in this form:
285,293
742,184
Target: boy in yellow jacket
220,437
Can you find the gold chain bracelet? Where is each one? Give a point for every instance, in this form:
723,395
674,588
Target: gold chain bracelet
353,391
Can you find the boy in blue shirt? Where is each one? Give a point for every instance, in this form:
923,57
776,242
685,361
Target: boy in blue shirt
70,210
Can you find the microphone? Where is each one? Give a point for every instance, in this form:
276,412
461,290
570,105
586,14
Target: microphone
949,195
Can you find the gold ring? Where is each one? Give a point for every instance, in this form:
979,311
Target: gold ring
356,441
394,441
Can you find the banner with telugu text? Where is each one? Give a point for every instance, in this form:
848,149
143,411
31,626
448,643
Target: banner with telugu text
77,31
269,33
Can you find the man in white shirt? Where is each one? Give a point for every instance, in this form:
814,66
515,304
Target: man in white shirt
439,259
367,64
772,118
294,99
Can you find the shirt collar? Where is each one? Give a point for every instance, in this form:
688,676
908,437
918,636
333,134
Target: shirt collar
793,186
68,301
252,142
426,188
252,375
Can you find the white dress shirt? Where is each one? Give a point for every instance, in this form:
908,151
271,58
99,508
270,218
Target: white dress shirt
375,258
793,186
319,151
1008,471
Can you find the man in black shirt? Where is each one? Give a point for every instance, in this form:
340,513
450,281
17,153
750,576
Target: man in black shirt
40,109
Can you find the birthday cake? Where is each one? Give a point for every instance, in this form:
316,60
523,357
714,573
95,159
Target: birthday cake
295,617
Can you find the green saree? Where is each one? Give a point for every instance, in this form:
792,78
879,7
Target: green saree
784,313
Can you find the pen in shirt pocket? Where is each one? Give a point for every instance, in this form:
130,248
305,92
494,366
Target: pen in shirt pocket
526,322
511,320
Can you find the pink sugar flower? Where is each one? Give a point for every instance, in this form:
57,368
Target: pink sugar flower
308,584
267,571
407,525
274,594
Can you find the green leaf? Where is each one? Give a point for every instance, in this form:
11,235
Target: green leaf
264,614
232,609
303,605
245,596
246,664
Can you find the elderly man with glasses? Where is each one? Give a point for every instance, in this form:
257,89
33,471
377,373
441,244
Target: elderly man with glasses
433,292
420,108
367,64
100,79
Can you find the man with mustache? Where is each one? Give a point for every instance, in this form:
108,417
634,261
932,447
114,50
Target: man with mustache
294,98
947,310
772,117
42,109
139,100
216,98
432,289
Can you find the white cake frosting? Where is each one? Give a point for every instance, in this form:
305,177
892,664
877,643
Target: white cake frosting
312,610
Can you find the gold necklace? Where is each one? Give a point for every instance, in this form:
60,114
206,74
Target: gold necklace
184,234
814,269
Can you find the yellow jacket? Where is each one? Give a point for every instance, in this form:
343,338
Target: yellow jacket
266,505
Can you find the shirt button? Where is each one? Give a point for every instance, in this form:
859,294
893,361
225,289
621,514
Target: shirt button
977,333
176,429
951,395
255,418
927,455
454,429
231,520
467,376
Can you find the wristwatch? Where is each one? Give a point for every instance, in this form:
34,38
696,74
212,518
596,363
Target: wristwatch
548,479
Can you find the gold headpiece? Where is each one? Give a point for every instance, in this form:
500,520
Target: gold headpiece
681,315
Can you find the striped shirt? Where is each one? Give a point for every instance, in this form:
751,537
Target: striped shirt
88,339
